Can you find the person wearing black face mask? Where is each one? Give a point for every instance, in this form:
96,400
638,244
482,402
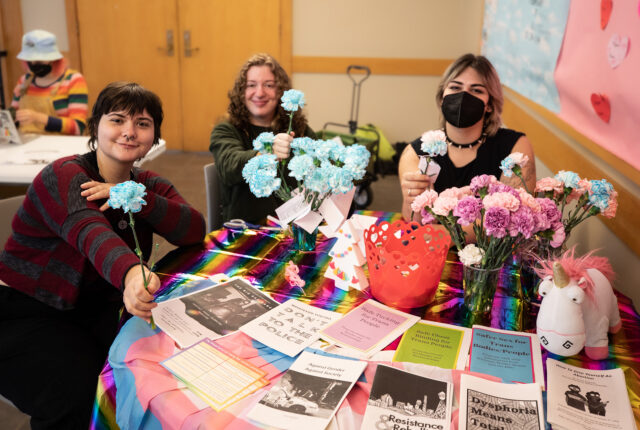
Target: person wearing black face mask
49,98
470,99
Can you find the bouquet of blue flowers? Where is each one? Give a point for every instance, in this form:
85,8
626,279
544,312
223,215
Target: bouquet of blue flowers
320,167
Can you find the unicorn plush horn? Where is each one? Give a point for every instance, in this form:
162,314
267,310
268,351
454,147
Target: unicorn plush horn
560,277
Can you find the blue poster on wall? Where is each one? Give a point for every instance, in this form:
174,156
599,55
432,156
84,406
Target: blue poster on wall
523,39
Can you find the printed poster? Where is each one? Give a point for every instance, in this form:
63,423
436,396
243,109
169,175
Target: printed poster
523,39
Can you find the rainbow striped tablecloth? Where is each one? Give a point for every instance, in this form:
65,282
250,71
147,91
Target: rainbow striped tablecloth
148,397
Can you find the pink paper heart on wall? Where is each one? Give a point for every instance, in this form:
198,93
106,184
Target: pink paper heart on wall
601,105
605,12
617,49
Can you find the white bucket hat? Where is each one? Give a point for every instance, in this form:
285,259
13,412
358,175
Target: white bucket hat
39,45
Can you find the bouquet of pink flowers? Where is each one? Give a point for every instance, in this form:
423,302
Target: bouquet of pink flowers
501,216
577,199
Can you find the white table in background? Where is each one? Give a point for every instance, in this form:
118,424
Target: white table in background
19,164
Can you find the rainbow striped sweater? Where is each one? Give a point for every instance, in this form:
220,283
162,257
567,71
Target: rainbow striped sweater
70,101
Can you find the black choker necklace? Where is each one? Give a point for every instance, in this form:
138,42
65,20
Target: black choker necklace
466,145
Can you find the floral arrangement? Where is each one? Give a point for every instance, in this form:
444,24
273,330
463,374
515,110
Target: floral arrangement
129,196
320,167
501,216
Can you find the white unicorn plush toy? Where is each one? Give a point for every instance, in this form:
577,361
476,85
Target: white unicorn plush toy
578,306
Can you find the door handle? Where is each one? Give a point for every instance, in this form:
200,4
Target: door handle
169,50
188,50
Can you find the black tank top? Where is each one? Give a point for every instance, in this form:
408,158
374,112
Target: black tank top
487,161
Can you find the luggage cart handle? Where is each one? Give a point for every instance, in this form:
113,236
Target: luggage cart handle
355,95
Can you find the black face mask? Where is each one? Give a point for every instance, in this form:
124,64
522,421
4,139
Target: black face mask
462,109
40,69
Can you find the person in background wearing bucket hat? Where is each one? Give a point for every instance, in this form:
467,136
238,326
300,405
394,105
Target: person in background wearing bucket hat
49,98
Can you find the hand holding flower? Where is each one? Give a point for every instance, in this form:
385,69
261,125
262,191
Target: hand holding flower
282,145
138,298
94,190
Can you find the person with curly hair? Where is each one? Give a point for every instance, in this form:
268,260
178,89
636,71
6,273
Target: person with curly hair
254,107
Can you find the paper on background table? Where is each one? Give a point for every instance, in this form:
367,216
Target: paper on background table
435,344
290,327
512,356
369,327
218,376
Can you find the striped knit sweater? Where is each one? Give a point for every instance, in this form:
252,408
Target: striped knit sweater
62,243
70,101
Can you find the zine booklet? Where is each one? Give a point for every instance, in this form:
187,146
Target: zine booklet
512,356
403,400
435,344
368,328
309,393
217,376
587,399
493,405
290,327
211,312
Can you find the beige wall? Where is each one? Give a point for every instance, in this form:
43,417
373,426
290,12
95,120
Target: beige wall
402,106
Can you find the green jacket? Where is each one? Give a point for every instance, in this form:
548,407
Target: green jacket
231,150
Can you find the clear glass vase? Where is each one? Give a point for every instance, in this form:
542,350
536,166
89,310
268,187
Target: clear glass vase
302,239
479,288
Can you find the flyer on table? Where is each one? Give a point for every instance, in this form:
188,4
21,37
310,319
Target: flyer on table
510,355
211,312
435,344
290,327
369,327
309,393
403,400
493,405
587,399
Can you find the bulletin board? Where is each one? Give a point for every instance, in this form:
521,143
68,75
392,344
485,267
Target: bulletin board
597,68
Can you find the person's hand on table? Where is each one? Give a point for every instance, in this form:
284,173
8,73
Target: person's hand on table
29,116
137,299
282,145
413,184
94,190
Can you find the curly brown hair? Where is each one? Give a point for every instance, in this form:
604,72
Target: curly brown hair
483,66
239,115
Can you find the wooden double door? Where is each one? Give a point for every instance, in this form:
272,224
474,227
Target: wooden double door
186,51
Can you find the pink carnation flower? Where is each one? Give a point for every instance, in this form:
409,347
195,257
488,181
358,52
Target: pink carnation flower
425,199
468,210
519,158
558,235
583,186
502,200
481,181
496,221
427,217
612,205
522,222
528,200
549,184
443,205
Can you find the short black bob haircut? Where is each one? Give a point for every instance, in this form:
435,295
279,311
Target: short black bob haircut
128,97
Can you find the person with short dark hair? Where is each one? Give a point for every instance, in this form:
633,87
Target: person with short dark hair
254,108
470,99
70,263
50,98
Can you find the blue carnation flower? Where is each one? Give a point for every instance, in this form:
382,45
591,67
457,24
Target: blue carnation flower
329,150
260,173
506,165
303,145
127,195
301,166
292,100
568,178
600,193
264,142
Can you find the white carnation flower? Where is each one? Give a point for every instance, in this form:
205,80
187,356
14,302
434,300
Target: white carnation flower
470,255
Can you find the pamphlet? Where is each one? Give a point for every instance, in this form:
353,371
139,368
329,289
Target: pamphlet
435,344
368,328
404,400
587,399
211,312
510,355
290,327
493,405
309,393
215,375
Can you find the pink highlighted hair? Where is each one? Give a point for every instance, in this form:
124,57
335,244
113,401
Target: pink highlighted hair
576,268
